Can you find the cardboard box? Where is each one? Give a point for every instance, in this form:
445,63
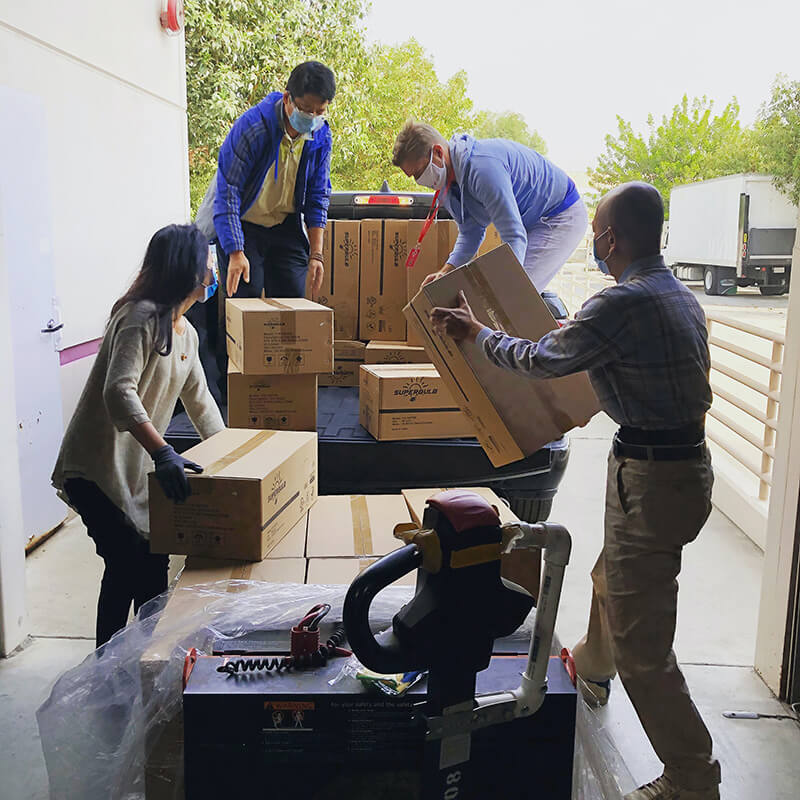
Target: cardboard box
395,353
513,415
272,402
163,769
279,337
417,499
341,251
347,358
523,567
256,486
293,545
428,262
408,401
355,525
446,235
490,241
343,571
383,292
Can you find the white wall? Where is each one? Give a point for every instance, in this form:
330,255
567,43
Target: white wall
113,89
12,553
782,531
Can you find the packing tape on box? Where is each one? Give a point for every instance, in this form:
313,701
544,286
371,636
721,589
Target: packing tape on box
497,316
288,333
242,450
362,533
241,572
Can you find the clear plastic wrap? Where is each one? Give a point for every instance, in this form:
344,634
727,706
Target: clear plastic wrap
599,769
118,713
113,724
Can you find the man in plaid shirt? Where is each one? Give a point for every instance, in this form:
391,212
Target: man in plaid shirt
644,345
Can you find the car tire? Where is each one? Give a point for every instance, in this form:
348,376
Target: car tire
529,510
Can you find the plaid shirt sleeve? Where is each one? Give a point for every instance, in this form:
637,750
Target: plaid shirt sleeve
592,339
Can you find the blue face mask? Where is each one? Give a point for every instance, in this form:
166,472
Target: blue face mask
303,122
209,290
601,264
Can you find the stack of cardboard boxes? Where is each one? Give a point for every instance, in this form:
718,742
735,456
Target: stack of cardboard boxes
367,285
276,350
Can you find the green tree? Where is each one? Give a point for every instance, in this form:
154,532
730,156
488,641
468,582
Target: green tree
237,51
402,83
507,125
778,132
689,145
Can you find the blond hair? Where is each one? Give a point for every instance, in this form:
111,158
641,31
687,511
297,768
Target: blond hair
415,141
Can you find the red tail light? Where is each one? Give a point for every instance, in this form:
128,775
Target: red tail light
382,200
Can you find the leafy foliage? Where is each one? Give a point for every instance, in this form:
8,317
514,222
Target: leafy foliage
402,84
689,145
778,131
507,125
237,51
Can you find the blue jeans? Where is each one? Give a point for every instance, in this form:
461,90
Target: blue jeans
551,241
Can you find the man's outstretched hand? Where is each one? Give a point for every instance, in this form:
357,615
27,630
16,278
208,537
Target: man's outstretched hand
457,323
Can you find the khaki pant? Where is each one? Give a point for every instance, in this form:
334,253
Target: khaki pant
653,509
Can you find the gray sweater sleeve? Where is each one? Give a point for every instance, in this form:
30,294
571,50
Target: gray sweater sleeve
199,403
132,342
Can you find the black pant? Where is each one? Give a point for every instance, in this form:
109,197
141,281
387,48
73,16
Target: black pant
133,574
278,259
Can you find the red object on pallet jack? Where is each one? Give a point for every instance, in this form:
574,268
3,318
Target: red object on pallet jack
569,664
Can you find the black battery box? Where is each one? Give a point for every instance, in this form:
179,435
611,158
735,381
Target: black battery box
267,734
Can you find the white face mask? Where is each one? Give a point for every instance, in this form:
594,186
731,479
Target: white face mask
433,177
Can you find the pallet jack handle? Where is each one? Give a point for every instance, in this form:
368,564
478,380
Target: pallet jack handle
385,657
556,543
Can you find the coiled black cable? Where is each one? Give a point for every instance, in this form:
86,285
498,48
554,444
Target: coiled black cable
319,658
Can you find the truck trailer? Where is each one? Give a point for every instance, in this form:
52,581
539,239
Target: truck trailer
738,230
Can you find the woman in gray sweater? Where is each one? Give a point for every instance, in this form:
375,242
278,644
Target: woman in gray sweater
148,360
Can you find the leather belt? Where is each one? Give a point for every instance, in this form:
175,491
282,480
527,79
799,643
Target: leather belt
659,452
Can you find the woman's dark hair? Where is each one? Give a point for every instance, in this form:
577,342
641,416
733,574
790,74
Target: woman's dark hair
311,77
175,262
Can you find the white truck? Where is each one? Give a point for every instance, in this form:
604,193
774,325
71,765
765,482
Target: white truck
738,230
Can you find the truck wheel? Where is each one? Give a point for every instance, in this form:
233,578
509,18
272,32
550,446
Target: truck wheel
531,510
711,280
771,291
719,280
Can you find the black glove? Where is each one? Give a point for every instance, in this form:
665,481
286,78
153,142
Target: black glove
170,473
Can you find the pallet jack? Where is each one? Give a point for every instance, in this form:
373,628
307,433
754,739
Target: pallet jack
284,723
460,607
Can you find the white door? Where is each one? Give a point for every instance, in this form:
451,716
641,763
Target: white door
26,219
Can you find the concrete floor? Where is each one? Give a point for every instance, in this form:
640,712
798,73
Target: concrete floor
715,642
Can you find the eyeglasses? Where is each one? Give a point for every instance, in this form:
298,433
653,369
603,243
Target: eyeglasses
305,111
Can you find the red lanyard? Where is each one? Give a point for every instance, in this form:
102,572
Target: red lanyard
435,206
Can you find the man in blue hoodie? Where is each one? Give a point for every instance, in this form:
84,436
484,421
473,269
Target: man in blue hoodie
274,168
533,204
